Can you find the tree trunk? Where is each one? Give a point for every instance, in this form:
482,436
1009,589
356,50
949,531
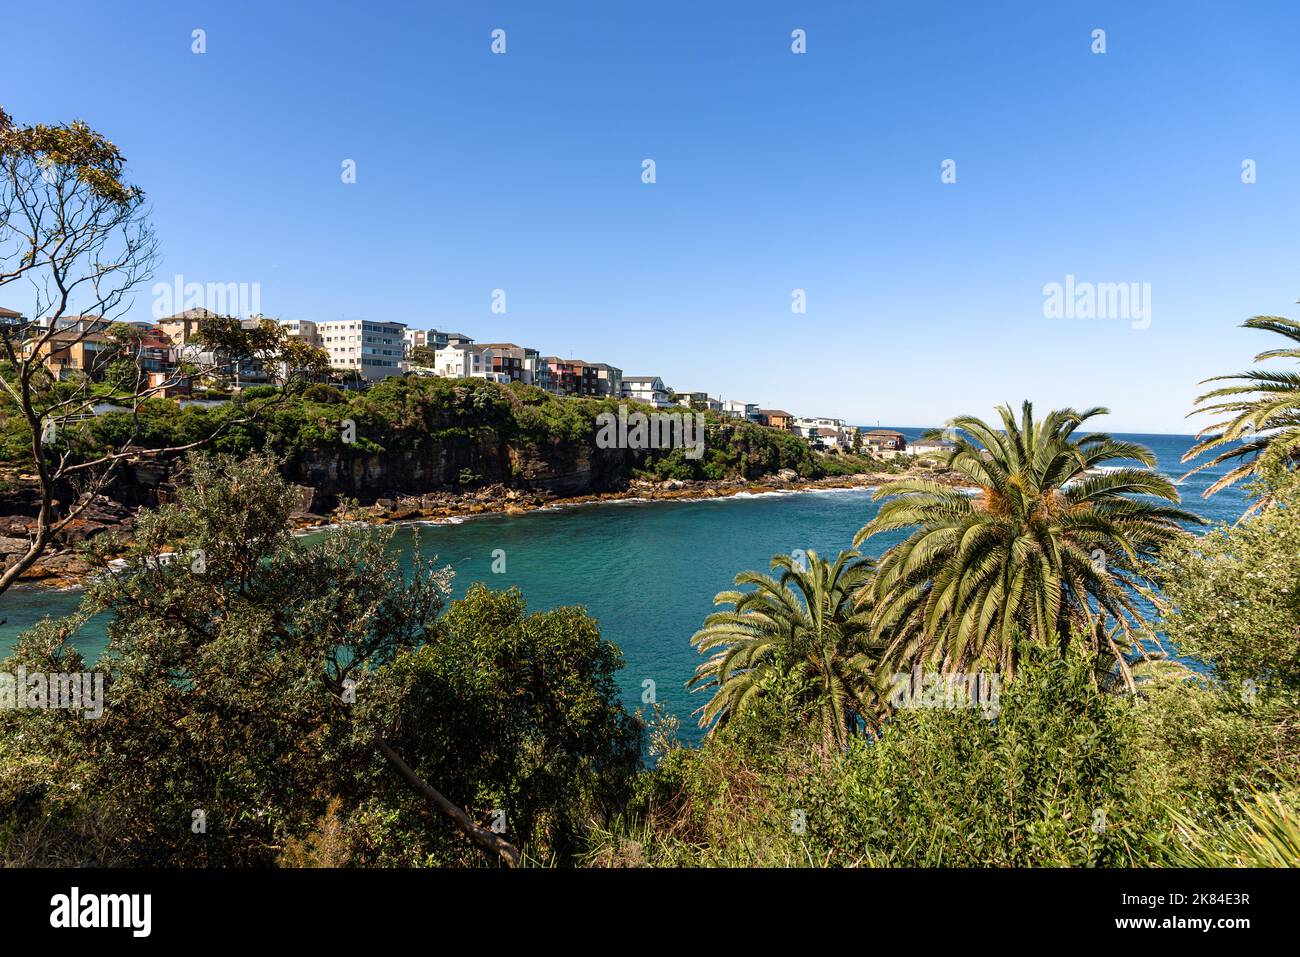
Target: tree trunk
488,841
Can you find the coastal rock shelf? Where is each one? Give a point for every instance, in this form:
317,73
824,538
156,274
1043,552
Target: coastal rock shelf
62,567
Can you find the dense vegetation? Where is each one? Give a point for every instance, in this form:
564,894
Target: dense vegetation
987,693
250,682
1067,769
404,414
244,701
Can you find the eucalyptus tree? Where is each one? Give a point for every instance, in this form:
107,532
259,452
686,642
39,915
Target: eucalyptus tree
76,236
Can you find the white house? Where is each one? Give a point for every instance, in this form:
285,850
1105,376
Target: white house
699,401
467,361
932,447
825,438
808,426
649,389
463,361
740,410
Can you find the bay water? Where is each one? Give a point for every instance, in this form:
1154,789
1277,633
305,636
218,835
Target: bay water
647,571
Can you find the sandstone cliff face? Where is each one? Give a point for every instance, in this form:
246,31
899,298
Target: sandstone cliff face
436,474
456,464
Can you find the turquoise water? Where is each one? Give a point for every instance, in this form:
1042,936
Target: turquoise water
647,571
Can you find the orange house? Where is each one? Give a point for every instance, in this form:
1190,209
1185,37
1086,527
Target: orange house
776,418
69,352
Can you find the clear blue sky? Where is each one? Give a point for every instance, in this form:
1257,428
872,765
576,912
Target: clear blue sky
775,171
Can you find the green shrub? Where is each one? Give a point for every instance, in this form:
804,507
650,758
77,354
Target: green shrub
1050,782
324,394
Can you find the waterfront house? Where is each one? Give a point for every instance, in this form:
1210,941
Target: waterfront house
573,377
807,426
563,375
182,332
885,441
740,410
699,401
827,439
609,380
541,372
649,389
931,447
507,361
515,363
776,418
468,361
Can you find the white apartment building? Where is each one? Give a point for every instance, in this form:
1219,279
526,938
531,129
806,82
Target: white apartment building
303,329
373,350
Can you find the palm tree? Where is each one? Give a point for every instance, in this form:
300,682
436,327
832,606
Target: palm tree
1263,409
1049,545
802,626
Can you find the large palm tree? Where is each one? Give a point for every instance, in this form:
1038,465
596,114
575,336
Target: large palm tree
1047,545
804,626
1262,410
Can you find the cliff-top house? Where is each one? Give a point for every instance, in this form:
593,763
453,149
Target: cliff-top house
649,389
777,419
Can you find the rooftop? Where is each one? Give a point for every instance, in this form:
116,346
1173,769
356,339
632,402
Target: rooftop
199,313
72,337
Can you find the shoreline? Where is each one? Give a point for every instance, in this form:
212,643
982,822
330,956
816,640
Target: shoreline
63,570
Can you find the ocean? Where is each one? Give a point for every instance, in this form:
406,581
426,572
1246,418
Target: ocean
647,571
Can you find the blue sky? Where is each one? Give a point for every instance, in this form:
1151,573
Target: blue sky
775,171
